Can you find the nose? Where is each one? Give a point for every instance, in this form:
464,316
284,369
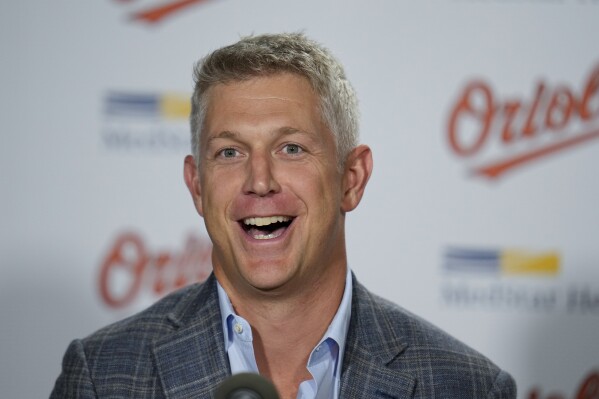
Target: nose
260,178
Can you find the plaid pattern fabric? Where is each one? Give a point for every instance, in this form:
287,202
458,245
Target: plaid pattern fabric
175,350
392,353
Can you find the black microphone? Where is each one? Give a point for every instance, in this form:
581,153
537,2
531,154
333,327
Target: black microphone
246,386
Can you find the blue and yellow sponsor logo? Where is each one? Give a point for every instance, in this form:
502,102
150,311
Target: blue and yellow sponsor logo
504,262
169,105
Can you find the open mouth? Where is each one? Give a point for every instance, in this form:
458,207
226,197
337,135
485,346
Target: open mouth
266,228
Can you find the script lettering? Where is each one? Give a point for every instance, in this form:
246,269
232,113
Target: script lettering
468,108
130,266
480,121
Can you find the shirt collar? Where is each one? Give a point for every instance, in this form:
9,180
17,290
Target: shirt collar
227,314
340,324
337,329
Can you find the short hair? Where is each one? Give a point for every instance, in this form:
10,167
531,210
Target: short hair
269,54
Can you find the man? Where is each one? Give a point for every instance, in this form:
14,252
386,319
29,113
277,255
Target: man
276,167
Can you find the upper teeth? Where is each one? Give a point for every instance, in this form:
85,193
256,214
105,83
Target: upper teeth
264,221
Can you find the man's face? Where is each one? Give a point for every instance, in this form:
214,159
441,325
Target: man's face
268,185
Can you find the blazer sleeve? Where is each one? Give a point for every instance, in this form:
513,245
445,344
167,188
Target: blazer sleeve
75,380
504,387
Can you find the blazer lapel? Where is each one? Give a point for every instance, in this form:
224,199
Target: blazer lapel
371,347
191,361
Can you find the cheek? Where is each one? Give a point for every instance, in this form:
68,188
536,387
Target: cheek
215,202
217,192
319,190
216,198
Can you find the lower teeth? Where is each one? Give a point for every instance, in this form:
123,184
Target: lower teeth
264,237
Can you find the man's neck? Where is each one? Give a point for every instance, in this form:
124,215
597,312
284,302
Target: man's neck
286,328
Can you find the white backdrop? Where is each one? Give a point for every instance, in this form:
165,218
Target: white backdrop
97,224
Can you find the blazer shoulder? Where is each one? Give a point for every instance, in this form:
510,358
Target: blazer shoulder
440,363
418,332
119,360
134,334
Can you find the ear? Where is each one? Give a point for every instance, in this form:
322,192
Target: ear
357,171
192,180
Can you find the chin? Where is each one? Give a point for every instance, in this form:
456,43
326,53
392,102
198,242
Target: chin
269,277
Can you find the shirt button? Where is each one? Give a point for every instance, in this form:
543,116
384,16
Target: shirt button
317,348
238,328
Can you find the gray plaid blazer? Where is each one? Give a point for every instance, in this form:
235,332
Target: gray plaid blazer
175,350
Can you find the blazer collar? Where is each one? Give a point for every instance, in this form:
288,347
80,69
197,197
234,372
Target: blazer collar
371,347
191,360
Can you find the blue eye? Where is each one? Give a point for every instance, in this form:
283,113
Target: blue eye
228,153
292,149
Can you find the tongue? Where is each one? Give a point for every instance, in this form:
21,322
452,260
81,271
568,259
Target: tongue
265,230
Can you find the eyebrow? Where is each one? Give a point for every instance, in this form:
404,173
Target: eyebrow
311,136
227,134
291,130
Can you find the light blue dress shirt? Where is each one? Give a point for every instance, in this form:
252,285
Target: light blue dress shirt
324,363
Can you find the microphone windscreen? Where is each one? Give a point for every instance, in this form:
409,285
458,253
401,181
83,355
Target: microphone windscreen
246,386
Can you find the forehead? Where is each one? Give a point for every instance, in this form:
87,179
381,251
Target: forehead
283,93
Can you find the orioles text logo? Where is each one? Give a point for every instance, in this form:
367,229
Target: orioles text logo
130,267
519,131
